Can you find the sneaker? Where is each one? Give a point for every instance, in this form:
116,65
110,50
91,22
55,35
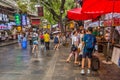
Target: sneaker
88,71
82,71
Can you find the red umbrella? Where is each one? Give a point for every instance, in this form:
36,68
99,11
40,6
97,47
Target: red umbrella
101,6
75,14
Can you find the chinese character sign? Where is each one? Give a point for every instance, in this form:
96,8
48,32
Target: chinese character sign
24,19
17,19
40,11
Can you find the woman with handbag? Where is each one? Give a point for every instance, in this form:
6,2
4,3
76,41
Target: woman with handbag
74,48
81,46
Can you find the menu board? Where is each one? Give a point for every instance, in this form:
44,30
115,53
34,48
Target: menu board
116,55
118,29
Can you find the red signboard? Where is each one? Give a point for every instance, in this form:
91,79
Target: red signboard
40,11
112,22
35,21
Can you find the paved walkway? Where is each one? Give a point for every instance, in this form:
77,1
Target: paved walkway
6,43
17,64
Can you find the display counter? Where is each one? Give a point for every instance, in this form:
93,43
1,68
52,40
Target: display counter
105,48
116,55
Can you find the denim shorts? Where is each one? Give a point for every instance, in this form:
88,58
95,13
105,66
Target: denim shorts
87,53
35,42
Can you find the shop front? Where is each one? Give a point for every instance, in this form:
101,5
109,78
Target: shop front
7,22
108,40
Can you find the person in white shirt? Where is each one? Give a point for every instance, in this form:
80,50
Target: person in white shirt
74,49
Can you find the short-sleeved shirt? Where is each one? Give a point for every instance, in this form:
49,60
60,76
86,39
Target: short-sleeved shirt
85,38
46,37
74,39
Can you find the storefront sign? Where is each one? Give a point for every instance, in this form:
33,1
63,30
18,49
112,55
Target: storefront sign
108,23
112,22
40,11
11,17
17,19
35,21
0,17
3,27
4,17
24,19
28,21
19,28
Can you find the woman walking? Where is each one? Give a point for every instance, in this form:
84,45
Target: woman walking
35,43
74,48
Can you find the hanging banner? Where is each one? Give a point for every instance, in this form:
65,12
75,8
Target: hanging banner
40,11
24,19
3,27
17,19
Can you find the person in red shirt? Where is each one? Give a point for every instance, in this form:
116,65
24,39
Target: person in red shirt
42,39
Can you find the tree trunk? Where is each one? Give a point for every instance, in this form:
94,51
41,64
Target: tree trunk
61,24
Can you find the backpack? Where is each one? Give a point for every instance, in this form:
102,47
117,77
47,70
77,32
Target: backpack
95,63
56,40
90,41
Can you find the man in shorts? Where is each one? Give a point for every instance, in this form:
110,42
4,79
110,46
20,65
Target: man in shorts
89,42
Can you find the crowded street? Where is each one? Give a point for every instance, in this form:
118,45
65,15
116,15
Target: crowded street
17,64
59,39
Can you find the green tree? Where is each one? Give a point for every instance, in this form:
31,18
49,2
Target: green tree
55,10
22,6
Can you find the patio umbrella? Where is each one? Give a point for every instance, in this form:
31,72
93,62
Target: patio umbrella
75,14
101,6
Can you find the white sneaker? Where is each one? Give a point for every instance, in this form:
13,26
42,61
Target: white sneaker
88,71
82,71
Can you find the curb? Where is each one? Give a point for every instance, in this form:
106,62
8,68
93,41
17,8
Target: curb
9,43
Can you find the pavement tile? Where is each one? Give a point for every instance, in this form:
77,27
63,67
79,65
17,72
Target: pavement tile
18,64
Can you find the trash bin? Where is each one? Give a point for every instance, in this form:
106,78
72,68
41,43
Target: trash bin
24,44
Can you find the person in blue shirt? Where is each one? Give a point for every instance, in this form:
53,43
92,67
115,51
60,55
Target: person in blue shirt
89,41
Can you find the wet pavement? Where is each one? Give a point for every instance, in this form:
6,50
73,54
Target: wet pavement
6,43
18,64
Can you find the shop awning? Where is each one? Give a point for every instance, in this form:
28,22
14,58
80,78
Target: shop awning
101,6
75,14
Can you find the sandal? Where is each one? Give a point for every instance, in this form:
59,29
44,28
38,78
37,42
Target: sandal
76,62
67,61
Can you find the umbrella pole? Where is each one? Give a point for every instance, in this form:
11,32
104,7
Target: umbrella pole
112,37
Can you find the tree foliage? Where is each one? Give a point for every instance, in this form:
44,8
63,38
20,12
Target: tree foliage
53,8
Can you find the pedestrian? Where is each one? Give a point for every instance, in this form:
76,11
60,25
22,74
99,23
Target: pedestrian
42,39
30,40
19,37
24,41
89,42
80,47
35,43
47,40
74,48
56,41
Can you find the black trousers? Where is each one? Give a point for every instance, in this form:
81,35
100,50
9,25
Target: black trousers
42,42
47,45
